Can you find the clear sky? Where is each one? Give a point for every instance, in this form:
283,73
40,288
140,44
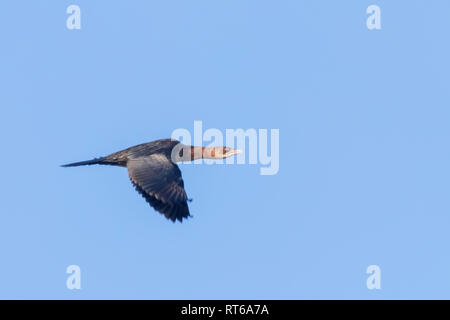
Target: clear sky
364,173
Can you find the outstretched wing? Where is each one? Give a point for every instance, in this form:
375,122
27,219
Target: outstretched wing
159,181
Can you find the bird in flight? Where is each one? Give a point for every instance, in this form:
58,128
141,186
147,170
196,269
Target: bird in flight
154,172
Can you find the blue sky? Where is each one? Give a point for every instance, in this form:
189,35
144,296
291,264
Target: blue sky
364,158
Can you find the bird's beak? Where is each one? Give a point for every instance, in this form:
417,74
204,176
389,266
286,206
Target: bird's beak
232,152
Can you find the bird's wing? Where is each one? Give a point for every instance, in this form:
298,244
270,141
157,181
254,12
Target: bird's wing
159,181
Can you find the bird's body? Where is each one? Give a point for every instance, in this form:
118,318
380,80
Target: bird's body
155,175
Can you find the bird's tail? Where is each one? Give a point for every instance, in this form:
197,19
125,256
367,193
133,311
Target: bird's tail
86,163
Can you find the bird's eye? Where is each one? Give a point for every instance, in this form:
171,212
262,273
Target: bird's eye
181,153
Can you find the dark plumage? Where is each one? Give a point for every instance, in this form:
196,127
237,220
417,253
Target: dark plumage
155,175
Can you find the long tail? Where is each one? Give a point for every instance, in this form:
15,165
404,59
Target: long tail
86,163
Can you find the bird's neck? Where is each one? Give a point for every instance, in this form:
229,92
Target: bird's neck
201,153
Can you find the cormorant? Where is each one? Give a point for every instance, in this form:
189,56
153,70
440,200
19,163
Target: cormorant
155,175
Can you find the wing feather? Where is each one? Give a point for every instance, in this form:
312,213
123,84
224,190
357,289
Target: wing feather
159,181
